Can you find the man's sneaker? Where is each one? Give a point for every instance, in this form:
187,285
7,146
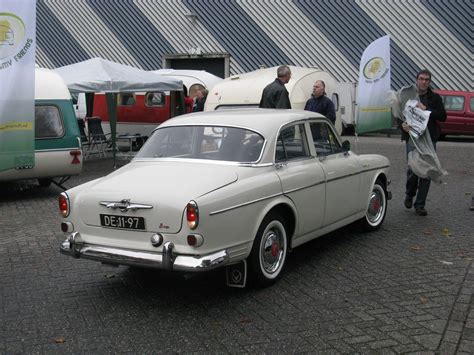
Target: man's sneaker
420,211
408,201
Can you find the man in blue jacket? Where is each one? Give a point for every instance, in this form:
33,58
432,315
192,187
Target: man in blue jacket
320,103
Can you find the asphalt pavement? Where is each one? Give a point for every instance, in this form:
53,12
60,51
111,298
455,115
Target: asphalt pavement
407,288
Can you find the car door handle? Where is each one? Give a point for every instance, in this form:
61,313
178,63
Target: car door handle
280,165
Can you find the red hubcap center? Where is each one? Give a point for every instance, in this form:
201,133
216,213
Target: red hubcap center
376,204
275,249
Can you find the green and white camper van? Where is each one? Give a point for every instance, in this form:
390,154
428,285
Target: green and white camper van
58,152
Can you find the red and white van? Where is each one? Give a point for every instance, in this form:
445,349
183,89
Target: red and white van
139,113
459,107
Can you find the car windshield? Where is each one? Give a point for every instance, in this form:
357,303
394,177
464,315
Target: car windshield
204,142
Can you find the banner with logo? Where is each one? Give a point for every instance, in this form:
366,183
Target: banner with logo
373,112
17,83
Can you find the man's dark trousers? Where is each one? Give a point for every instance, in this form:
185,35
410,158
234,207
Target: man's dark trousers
414,182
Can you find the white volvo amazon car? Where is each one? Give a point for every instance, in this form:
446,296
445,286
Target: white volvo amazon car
234,188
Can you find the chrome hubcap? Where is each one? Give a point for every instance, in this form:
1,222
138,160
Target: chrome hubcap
272,249
376,205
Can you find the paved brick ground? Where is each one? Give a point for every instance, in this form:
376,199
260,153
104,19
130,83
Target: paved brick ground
406,288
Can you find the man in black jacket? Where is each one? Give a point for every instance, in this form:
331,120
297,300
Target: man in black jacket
320,103
429,101
275,94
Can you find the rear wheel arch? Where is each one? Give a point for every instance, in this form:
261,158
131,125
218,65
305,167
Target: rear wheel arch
288,214
269,250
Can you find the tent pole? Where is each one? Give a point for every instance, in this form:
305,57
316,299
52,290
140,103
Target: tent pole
112,108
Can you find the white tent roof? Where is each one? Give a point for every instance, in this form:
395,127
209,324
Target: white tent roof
191,77
98,74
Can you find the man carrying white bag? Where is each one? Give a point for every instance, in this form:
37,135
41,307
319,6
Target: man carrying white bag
421,109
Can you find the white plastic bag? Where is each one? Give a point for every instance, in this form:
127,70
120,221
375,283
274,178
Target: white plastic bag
416,118
423,160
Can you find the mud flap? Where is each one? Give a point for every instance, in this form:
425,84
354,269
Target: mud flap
236,274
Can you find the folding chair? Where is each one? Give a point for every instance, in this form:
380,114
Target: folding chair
82,131
97,139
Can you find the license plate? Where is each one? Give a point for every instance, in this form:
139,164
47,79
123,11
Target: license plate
122,222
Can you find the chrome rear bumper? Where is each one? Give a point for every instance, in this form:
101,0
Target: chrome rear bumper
167,260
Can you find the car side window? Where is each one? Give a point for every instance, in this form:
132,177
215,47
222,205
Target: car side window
453,103
292,143
325,141
471,104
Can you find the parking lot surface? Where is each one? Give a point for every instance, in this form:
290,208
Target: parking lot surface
405,288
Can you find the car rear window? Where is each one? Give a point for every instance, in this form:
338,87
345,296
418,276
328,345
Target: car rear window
204,142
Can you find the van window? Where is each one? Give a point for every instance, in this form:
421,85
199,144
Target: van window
155,99
472,104
127,99
48,122
453,103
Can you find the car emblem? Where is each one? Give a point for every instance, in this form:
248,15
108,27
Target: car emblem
125,205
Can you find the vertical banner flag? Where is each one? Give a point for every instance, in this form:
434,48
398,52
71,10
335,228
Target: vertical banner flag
374,84
17,83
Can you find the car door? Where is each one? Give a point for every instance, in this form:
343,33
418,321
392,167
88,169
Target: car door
341,171
456,114
470,114
301,176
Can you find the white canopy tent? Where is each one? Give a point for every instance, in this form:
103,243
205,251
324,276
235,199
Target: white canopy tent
100,75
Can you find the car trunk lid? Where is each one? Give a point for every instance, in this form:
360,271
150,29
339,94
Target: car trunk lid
158,192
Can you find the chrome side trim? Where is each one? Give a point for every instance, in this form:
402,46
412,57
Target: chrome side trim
290,191
304,187
376,168
264,198
360,172
343,177
244,204
167,260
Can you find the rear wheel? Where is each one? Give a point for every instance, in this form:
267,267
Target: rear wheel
268,255
377,208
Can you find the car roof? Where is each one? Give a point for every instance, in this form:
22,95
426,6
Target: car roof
265,121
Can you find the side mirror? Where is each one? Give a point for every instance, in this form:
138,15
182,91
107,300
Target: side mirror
346,146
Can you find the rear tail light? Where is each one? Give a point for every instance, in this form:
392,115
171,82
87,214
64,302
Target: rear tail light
64,204
75,154
192,215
